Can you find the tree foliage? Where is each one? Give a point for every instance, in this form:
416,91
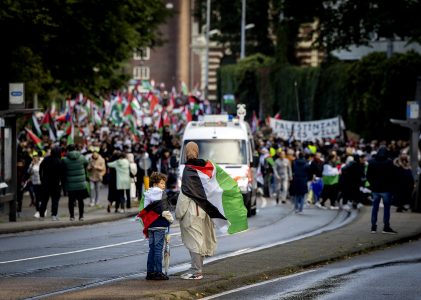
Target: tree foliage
74,45
242,80
366,93
342,23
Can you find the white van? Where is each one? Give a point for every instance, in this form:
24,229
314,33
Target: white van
228,143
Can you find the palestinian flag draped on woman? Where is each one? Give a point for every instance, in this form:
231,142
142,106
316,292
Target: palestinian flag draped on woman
217,194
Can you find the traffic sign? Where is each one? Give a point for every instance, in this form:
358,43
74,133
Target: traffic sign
412,110
16,94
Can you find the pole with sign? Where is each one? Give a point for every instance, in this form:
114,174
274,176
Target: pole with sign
16,95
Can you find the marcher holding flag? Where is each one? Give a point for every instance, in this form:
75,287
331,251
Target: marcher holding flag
207,193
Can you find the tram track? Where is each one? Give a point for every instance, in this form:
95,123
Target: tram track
342,218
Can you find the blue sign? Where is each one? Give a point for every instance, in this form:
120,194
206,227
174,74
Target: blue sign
16,94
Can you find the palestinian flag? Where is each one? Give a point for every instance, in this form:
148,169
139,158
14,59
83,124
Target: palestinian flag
154,101
150,214
36,140
187,113
35,125
70,132
46,121
217,194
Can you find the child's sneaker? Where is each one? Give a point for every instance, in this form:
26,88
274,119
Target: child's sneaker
160,276
191,276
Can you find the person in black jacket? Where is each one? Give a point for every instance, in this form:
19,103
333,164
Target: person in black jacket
381,176
350,182
49,171
405,184
300,177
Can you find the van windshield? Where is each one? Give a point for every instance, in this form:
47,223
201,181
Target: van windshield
229,152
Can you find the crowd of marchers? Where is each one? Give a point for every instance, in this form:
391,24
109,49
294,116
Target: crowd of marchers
345,175
107,158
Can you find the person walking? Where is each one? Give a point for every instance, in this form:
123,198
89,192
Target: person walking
112,181
316,171
96,171
35,179
283,176
405,184
197,228
50,171
330,177
299,184
122,168
381,175
350,182
131,193
75,182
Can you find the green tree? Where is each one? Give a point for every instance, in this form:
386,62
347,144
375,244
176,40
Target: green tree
342,23
74,45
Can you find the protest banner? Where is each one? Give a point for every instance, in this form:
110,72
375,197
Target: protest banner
306,131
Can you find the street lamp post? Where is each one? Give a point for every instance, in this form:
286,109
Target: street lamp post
243,29
208,9
297,101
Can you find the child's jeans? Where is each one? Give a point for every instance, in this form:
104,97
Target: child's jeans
156,245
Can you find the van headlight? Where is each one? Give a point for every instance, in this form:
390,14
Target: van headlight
243,183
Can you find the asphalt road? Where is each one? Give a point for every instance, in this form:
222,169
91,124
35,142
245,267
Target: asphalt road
58,259
393,273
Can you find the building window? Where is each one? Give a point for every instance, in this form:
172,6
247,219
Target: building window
141,73
142,54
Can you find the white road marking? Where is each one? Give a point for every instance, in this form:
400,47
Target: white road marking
71,252
257,284
78,251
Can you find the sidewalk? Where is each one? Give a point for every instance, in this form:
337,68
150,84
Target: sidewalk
245,269
92,215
